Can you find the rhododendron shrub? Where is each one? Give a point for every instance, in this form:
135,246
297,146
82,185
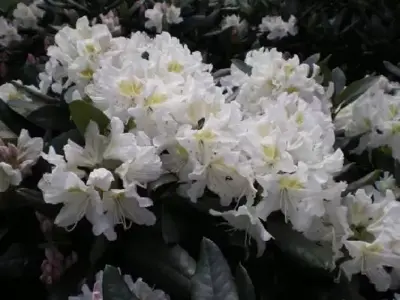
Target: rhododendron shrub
130,153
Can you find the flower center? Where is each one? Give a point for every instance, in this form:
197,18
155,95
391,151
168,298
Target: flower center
129,88
175,67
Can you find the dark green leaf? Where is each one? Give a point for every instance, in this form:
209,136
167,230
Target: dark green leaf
51,117
98,248
82,113
353,91
242,66
168,267
14,262
114,286
306,252
200,21
59,141
339,79
15,122
33,94
392,68
312,60
169,228
244,285
164,180
366,180
213,279
222,73
34,198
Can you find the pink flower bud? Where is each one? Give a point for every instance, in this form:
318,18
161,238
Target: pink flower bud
58,255
56,274
30,59
48,268
49,253
46,226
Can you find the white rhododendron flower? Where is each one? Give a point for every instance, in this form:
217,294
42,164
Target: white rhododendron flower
277,28
239,26
160,13
92,193
375,116
139,288
16,160
78,50
271,76
8,33
10,95
26,16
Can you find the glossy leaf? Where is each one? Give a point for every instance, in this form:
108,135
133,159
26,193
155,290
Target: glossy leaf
244,285
213,279
82,113
395,70
339,80
294,243
15,122
61,140
354,91
34,94
169,267
114,286
366,180
51,117
242,66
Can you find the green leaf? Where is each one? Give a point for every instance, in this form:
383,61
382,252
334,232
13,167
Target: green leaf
51,117
33,94
392,68
213,279
308,253
34,198
354,91
82,113
163,181
168,267
169,228
15,122
339,79
312,60
99,247
244,285
13,263
221,73
61,140
242,66
114,286
366,180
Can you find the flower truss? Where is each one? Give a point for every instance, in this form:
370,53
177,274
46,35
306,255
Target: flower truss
261,141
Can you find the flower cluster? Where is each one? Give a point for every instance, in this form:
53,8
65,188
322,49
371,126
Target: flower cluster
273,25
161,15
277,28
27,16
16,160
139,288
375,116
365,224
87,180
275,135
8,33
75,55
